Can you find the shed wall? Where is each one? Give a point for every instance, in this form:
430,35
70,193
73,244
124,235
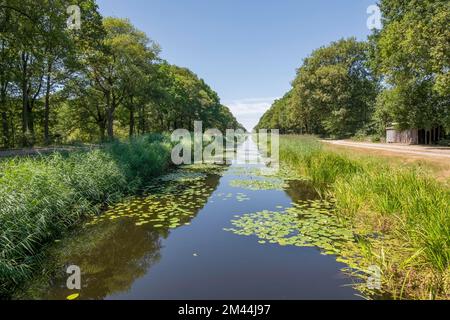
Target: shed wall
407,136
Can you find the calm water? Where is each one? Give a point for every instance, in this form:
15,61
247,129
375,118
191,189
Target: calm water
198,259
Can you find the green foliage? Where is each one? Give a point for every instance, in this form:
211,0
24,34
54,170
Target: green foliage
305,224
407,207
184,98
333,93
259,184
321,167
98,83
412,53
406,64
419,202
141,158
40,198
279,116
40,55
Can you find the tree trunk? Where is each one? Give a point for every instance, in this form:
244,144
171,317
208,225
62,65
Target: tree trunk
110,117
110,124
101,129
25,129
132,121
101,124
161,121
5,130
27,105
4,81
140,119
5,127
47,105
12,137
30,108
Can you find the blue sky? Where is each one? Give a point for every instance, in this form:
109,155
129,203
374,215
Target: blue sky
246,50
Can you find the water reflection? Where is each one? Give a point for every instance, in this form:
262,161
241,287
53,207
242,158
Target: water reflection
300,190
111,258
171,244
116,250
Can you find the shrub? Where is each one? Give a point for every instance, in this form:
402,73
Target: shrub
41,198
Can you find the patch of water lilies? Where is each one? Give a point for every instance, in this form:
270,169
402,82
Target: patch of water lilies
166,205
259,184
307,223
183,176
283,172
288,173
246,171
240,197
205,168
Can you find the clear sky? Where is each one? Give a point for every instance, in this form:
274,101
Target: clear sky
246,50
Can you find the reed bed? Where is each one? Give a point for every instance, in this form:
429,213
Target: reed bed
402,212
42,197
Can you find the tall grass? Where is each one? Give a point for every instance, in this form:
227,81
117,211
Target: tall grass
401,203
41,198
307,155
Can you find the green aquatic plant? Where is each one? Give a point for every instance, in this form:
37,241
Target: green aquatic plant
240,197
305,224
246,171
402,203
259,184
204,168
285,172
183,176
168,205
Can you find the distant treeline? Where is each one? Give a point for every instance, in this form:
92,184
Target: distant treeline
95,83
399,75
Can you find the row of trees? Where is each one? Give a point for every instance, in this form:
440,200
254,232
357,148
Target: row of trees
98,82
399,75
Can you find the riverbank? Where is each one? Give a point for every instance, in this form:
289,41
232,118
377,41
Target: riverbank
400,213
44,196
195,233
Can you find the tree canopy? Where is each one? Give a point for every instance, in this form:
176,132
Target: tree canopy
332,94
412,54
400,76
102,81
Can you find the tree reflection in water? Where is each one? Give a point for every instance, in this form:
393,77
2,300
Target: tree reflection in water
114,253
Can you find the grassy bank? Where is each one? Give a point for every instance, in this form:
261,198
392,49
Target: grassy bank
402,213
42,197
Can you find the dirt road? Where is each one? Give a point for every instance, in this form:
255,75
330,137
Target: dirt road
41,150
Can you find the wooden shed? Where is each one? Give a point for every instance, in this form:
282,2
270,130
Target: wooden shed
410,136
414,136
